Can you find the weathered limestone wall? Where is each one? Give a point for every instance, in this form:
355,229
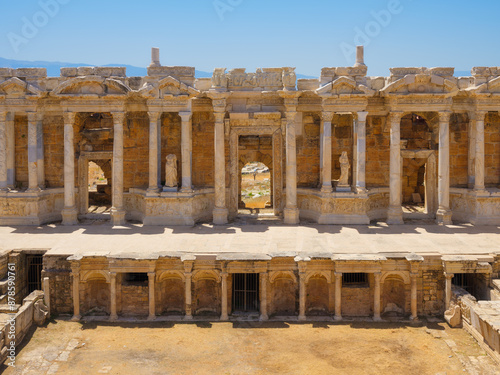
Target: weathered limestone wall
131,300
95,297
377,152
459,154
357,301
58,270
170,296
170,142
206,297
308,150
21,161
432,289
284,297
203,148
492,150
53,138
136,151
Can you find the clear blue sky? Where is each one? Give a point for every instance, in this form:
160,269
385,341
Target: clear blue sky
308,34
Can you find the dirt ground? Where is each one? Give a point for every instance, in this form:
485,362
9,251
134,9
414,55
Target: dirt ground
260,187
64,347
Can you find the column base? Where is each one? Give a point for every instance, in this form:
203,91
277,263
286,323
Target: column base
263,317
188,317
443,216
69,216
326,190
302,318
395,215
414,319
76,318
377,319
220,216
117,217
337,318
187,189
152,192
152,317
224,318
113,318
291,216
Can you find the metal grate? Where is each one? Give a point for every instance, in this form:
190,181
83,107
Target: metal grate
245,292
34,264
464,281
354,279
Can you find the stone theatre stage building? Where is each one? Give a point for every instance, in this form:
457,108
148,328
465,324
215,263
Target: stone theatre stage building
342,149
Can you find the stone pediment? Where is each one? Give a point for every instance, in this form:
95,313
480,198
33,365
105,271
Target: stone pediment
344,86
491,87
17,88
82,86
168,88
421,84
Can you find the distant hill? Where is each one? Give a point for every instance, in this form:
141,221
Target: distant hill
53,68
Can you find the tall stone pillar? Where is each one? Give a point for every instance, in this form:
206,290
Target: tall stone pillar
443,215
338,295
11,150
69,213
32,152
46,293
118,211
326,157
224,316
291,212
220,212
395,212
449,277
263,296
3,152
302,296
187,150
112,286
154,118
414,311
376,297
151,287
40,152
361,152
76,294
188,267
479,148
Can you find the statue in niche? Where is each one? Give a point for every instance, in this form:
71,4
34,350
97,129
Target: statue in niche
344,169
171,171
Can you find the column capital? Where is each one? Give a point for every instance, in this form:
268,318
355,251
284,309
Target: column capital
151,274
154,115
186,116
75,274
69,118
337,274
444,116
479,115
362,116
219,117
112,274
448,275
413,275
377,275
118,117
395,117
33,116
224,274
327,116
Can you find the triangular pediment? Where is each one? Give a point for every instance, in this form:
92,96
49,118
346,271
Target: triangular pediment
344,86
418,84
82,86
16,87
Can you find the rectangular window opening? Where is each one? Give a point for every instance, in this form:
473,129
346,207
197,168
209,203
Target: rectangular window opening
357,279
135,278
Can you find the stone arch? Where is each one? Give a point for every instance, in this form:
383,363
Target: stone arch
317,293
170,274
405,276
206,274
394,293
283,293
276,275
206,292
95,293
170,293
93,275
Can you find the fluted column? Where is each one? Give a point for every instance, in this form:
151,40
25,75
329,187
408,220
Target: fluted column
76,294
479,160
224,315
291,212
187,150
112,291
118,211
361,152
338,295
326,157
151,288
395,212
302,296
154,118
376,297
11,150
3,152
414,311
449,277
69,213
263,296
443,215
32,152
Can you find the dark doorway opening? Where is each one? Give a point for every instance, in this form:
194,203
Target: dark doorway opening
34,264
465,281
245,292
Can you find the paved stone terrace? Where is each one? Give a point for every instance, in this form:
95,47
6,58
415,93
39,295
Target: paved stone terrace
255,240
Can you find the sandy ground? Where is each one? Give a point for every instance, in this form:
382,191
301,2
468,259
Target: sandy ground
64,347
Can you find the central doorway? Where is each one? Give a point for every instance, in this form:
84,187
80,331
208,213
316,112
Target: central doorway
245,292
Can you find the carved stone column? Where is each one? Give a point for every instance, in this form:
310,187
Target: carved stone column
154,118
112,291
223,315
376,297
263,296
3,152
443,215
69,213
46,293
479,160
220,212
414,311
40,152
188,267
449,277
361,152
151,287
302,296
76,294
471,135
326,159
291,212
187,150
11,150
395,212
338,295
118,211
33,118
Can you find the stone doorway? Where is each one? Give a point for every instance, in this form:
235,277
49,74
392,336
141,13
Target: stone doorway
256,188
95,184
245,293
